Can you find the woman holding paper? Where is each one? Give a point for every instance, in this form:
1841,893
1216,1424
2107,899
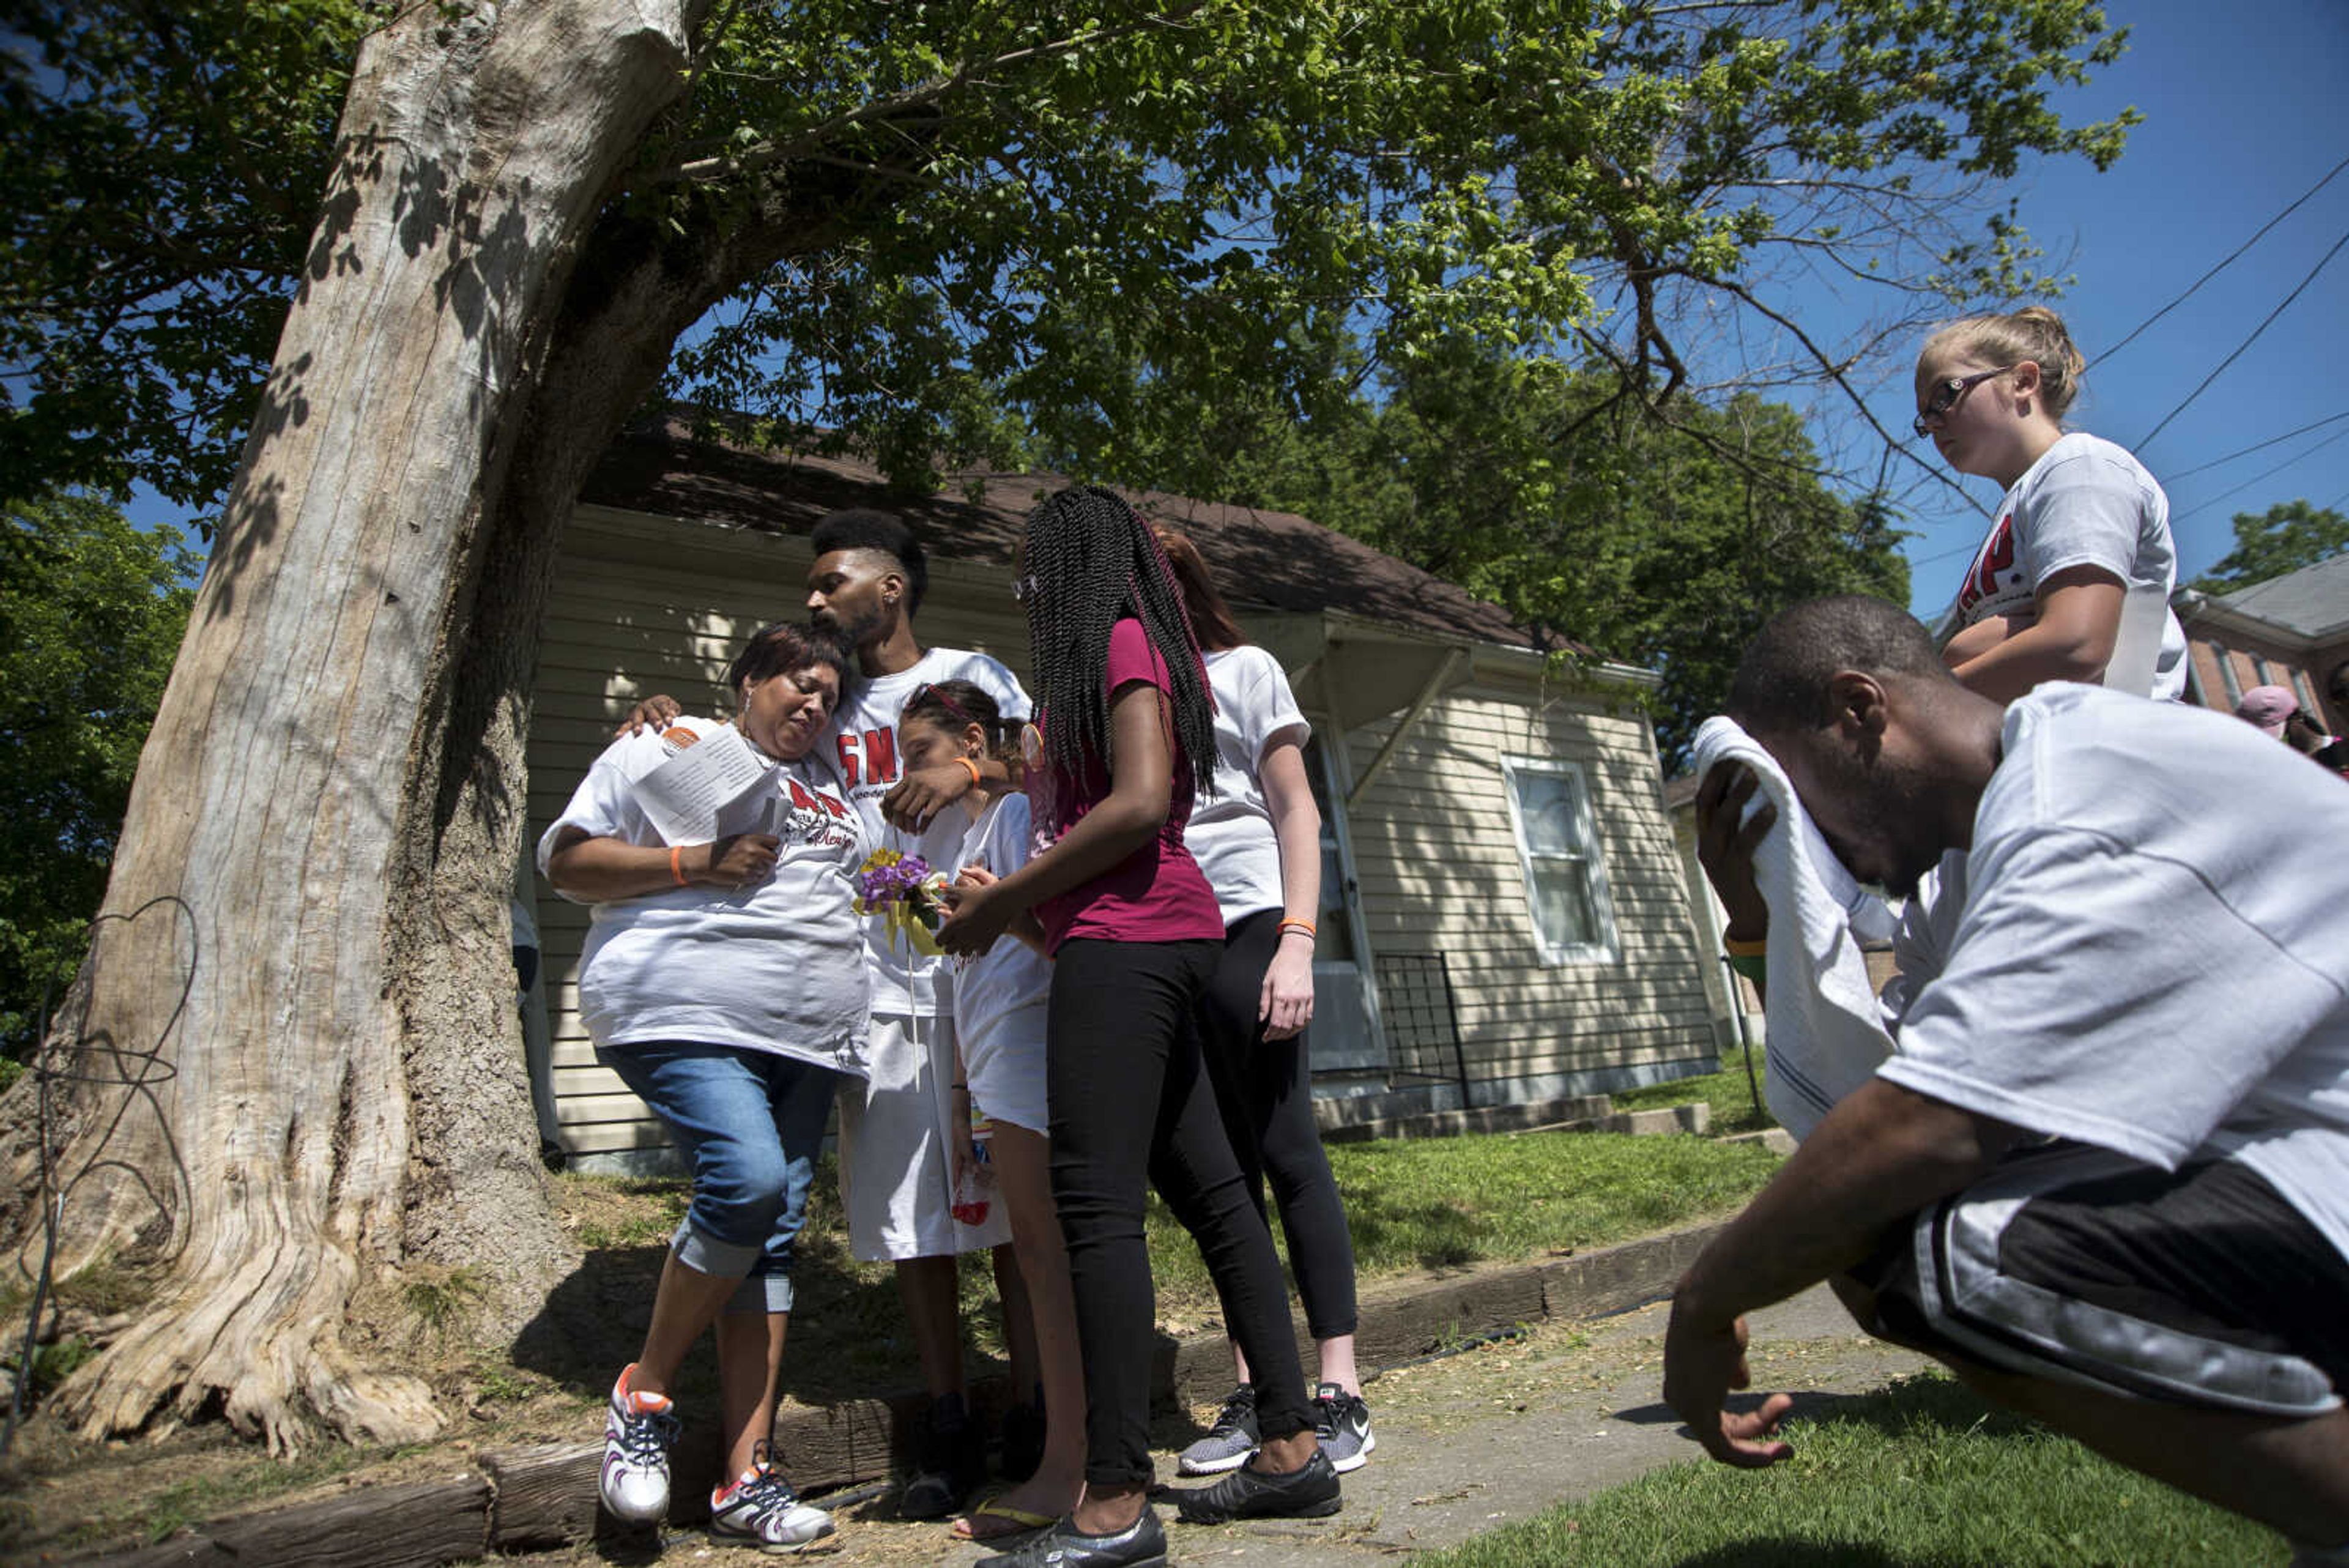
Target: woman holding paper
723,979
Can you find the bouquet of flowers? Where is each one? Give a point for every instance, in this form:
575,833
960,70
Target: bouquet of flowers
907,894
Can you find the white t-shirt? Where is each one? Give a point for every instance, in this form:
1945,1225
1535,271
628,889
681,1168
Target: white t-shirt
1231,833
2141,958
864,739
779,967
2086,503
1007,985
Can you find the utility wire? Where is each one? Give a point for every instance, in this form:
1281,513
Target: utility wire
2246,452
2279,468
2199,468
1945,555
2226,261
2262,327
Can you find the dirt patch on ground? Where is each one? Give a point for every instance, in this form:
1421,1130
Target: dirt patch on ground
60,1496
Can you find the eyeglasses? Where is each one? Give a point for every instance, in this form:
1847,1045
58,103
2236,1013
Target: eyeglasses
1945,398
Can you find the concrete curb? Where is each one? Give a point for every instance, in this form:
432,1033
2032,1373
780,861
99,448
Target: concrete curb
544,1496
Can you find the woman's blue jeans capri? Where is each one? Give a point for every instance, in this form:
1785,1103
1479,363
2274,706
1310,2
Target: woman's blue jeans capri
750,1123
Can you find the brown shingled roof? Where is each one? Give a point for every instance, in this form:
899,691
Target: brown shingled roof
1270,559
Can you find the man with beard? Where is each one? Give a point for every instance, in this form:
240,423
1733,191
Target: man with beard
898,1137
900,1126
2105,1176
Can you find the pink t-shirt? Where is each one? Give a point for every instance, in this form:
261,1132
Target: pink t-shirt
1157,893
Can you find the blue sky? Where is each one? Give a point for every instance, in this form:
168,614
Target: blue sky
2245,110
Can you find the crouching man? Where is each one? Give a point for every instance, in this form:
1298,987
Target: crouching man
2105,1177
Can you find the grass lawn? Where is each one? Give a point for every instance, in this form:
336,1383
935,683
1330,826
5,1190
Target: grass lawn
1413,1205
1921,1475
1725,1091
1434,1203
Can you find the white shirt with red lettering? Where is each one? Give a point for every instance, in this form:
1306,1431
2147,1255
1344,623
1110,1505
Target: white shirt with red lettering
2086,503
863,741
779,967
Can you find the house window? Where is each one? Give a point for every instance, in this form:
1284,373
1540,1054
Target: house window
2234,688
1566,879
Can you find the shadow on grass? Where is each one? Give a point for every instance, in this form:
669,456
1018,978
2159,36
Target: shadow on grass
1921,1403
1437,1233
848,1338
848,1333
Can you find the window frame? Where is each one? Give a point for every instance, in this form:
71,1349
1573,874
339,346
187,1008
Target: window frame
1608,948
2229,681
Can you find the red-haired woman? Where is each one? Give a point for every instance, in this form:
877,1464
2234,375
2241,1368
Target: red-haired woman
1258,839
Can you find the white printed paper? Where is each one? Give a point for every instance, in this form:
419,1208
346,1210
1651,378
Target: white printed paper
683,796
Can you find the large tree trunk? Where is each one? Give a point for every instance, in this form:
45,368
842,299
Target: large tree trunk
293,1062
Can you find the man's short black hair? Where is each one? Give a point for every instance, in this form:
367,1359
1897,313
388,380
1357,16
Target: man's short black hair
862,528
1782,683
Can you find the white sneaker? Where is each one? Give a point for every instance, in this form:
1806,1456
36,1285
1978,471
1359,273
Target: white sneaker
762,1509
639,1430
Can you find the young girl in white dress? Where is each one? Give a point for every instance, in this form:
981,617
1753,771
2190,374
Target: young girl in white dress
1000,1013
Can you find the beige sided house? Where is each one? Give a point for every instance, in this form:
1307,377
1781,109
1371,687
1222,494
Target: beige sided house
1504,915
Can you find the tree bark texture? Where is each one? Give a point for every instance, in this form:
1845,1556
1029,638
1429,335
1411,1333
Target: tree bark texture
293,1061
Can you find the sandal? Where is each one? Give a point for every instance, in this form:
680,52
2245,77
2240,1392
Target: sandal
1009,1520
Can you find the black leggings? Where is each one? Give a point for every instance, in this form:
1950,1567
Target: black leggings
1128,1099
1265,1091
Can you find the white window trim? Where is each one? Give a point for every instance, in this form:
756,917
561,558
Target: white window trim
2228,680
1609,948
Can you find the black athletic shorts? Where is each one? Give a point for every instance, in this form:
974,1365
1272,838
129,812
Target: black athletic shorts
2200,1286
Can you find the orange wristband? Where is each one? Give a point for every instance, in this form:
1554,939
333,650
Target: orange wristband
675,869
1305,926
976,782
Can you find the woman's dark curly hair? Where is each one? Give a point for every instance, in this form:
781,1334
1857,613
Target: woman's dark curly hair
1090,562
783,648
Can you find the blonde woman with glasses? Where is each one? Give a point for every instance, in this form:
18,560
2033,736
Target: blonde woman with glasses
2073,580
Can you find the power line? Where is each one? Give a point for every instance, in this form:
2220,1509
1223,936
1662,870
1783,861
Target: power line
2268,321
2226,261
2214,463
2246,452
1945,555
2279,468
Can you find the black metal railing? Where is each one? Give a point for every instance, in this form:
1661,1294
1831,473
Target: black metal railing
1422,1021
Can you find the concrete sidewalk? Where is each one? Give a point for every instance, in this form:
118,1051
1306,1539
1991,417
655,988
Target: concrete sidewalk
1465,1444
1472,1443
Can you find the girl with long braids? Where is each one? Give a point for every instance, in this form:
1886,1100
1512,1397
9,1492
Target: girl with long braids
1127,740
